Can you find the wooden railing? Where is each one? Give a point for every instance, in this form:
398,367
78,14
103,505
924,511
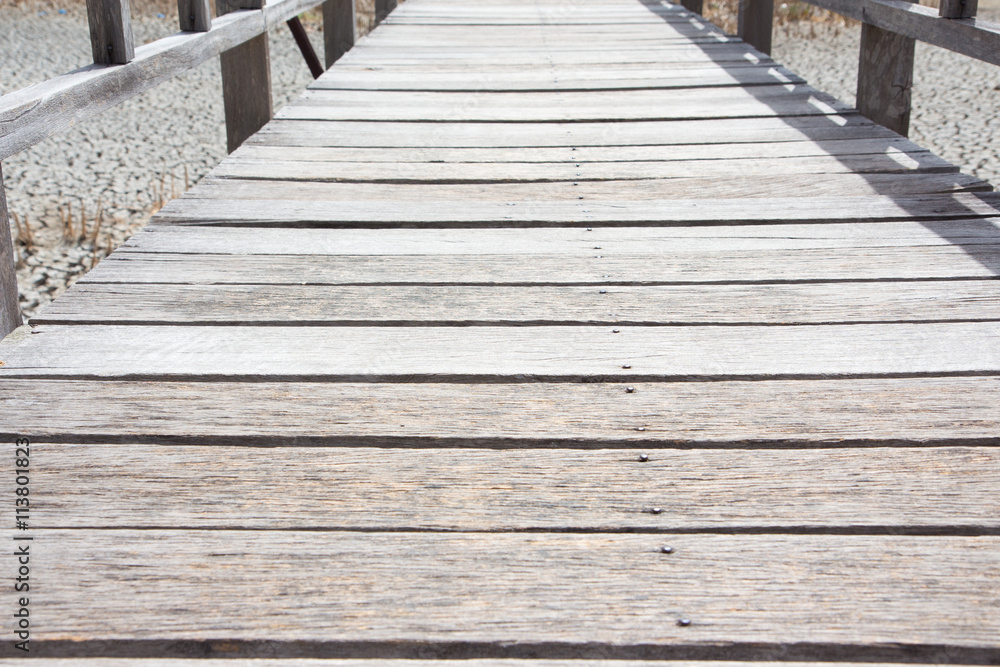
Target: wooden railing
121,70
889,30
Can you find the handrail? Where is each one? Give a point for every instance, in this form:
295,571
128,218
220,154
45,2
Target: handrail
889,31
238,36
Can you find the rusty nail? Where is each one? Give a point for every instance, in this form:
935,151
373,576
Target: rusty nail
1,363
629,390
643,457
683,622
667,549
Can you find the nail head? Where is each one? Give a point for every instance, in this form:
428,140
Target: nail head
683,622
629,390
667,549
643,457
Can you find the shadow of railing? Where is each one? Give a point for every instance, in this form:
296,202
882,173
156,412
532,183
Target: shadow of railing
986,251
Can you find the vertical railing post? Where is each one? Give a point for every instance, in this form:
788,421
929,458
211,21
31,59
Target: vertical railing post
339,29
696,6
885,77
110,31
383,8
755,22
194,15
10,309
246,81
958,9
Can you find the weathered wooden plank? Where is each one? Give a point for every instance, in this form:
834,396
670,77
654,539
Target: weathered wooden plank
334,662
10,307
680,212
899,148
538,80
194,15
111,39
562,106
885,77
34,113
246,80
471,595
613,241
282,164
757,186
723,266
861,491
492,305
339,29
759,415
415,134
502,354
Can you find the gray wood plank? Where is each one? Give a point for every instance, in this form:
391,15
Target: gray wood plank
755,21
613,241
758,186
835,491
620,212
723,266
848,149
455,134
611,105
300,594
502,354
527,305
361,662
314,169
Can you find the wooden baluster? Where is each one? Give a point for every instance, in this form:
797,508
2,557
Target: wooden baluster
246,81
194,15
958,9
339,29
885,77
383,8
756,18
695,6
110,31
10,309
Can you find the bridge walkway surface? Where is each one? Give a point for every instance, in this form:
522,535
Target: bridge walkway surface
532,331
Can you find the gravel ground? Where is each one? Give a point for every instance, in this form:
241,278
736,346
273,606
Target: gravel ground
131,159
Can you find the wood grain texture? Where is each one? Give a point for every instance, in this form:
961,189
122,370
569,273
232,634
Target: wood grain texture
635,133
111,40
885,77
613,105
690,267
527,305
483,593
754,23
502,354
334,662
737,187
834,491
339,29
958,9
680,212
10,307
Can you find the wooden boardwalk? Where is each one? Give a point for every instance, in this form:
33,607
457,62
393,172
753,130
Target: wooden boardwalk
532,330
